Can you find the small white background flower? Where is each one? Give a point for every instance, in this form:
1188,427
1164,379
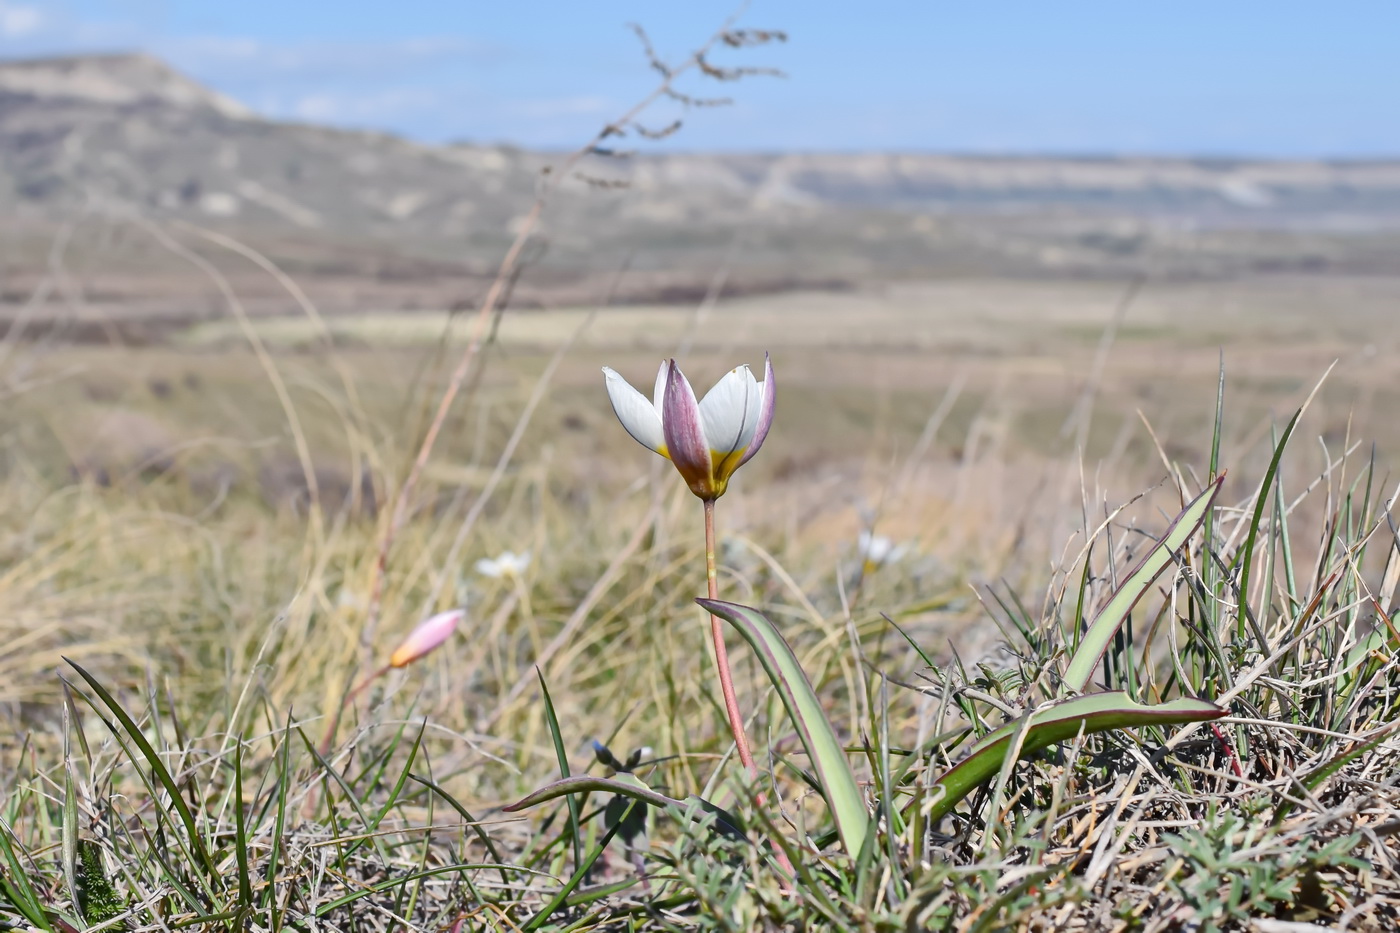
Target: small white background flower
507,564
876,549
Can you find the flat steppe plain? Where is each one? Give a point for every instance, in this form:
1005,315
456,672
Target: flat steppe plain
966,391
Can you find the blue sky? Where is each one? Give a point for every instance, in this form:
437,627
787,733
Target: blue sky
1215,77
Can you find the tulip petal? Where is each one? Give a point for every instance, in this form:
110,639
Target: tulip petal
685,434
639,416
723,410
769,397
658,394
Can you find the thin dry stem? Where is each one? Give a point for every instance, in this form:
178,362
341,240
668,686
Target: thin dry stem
329,738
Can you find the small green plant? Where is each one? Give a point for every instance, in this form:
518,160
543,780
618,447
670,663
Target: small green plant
98,901
1231,868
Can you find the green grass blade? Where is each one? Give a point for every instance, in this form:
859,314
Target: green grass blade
575,824
240,831
1099,712
1260,501
158,769
279,824
923,655
15,886
1217,431
580,872
69,830
356,803
1314,780
1210,574
838,782
467,820
377,766
396,792
1084,575
1134,586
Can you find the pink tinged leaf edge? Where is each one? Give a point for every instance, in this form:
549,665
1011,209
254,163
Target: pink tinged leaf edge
685,434
833,770
765,414
1097,712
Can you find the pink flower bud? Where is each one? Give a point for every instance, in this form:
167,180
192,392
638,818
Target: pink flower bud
427,636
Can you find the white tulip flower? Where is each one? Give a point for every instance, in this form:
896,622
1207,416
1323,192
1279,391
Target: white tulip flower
707,440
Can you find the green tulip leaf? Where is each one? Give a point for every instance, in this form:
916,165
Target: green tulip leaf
1134,586
833,771
1065,719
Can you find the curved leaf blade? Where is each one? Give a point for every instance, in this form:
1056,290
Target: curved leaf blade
583,783
1134,586
193,839
828,756
1058,722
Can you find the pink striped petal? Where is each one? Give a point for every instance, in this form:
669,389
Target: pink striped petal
768,397
685,434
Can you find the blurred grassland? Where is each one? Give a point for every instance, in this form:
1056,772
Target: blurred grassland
155,519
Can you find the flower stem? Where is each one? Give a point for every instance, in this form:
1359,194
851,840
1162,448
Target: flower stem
726,680
329,738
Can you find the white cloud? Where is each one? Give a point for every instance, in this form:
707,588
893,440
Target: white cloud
352,108
17,21
319,107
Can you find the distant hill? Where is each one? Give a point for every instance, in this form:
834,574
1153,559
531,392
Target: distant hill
96,136
111,80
